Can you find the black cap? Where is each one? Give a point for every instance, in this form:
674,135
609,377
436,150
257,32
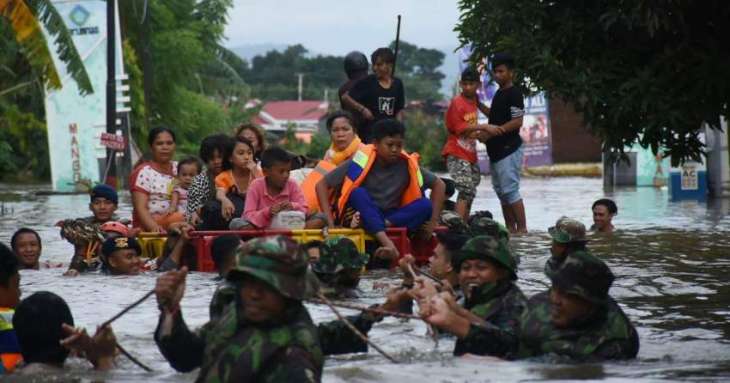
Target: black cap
120,243
470,74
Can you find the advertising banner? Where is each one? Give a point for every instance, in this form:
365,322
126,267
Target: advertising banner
75,122
535,131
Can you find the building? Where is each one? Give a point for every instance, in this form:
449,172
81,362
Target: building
304,116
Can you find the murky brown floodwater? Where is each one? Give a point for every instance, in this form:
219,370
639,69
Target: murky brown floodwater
672,262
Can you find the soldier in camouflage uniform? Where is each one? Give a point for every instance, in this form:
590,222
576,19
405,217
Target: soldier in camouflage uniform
487,274
338,266
577,318
480,224
568,236
264,335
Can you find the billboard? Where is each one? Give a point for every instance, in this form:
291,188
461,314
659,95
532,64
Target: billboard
535,131
74,122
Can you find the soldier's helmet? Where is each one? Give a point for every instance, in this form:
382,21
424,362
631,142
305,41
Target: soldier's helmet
483,225
568,230
487,248
584,275
355,61
453,222
279,262
338,253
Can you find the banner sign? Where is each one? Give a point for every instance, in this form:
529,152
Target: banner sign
75,122
535,131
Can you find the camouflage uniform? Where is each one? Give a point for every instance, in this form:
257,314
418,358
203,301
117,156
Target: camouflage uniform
607,334
481,225
566,231
339,266
501,303
466,177
334,337
230,349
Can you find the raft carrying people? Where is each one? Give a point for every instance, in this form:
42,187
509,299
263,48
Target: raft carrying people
278,243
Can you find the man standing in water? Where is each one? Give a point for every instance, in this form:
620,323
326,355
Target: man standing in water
603,212
504,145
264,335
569,236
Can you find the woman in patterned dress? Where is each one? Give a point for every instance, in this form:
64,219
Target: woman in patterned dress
151,184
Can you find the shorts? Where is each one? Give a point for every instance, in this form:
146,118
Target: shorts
466,177
506,177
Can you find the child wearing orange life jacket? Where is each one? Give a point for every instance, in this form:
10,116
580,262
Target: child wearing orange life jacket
10,355
385,185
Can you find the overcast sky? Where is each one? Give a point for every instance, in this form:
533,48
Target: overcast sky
339,26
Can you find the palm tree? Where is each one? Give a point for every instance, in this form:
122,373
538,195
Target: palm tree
26,17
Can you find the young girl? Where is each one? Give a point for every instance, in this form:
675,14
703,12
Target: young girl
187,169
240,170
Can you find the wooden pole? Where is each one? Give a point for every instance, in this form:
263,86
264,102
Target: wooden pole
354,329
397,44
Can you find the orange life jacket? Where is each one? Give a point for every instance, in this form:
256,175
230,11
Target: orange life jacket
363,161
310,183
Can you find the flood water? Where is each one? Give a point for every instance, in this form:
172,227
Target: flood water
671,260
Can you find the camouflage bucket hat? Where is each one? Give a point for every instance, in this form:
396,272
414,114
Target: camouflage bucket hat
481,225
453,222
584,275
279,262
568,230
487,248
337,254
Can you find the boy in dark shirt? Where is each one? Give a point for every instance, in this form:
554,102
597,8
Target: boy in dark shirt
384,184
504,145
356,68
378,96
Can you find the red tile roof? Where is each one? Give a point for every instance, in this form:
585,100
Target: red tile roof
296,110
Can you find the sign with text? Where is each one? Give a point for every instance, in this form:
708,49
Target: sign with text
689,177
113,141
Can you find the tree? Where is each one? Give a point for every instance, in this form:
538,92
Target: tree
418,68
192,78
273,76
25,19
640,71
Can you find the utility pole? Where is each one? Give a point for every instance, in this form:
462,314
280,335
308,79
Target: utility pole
111,92
300,87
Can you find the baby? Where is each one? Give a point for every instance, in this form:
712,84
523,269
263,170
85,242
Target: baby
187,169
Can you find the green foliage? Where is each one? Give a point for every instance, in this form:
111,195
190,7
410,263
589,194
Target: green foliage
274,75
319,145
643,71
24,149
136,92
425,134
195,82
418,68
198,117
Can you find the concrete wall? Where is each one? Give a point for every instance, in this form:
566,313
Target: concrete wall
571,140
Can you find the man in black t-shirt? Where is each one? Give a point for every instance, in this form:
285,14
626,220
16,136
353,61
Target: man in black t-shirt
356,68
504,145
378,96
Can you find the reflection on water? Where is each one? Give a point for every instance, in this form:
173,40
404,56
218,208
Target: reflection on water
671,261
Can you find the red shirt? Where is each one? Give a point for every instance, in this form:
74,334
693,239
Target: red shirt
462,114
